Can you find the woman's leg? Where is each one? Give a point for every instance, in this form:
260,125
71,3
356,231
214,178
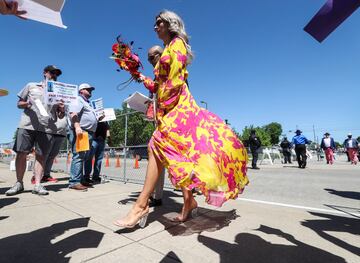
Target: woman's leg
141,206
189,205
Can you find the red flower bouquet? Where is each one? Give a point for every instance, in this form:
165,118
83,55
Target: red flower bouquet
126,59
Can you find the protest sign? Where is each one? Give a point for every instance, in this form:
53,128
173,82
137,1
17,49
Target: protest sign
138,101
109,114
56,92
98,106
44,11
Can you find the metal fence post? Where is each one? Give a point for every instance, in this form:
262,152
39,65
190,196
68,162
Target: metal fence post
125,145
67,168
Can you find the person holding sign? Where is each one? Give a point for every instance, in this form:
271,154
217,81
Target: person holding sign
37,124
83,126
10,8
97,151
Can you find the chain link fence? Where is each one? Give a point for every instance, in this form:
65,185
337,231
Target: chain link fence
126,163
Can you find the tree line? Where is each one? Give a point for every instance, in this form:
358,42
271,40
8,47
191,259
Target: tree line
140,130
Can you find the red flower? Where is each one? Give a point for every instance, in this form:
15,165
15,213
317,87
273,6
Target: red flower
126,59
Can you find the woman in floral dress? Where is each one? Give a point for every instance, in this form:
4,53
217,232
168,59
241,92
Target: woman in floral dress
196,146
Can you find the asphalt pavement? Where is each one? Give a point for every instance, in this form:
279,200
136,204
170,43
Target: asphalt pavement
285,214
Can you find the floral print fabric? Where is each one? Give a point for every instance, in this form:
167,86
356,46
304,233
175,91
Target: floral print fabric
196,146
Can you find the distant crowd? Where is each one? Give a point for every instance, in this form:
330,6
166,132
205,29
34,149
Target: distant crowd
299,142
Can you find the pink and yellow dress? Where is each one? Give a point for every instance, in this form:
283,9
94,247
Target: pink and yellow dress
196,146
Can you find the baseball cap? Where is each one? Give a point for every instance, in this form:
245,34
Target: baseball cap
326,133
53,69
349,134
298,131
86,86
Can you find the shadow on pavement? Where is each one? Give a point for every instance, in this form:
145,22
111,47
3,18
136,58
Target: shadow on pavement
38,245
351,211
346,194
8,201
131,199
62,179
56,187
207,220
252,248
4,189
334,223
170,257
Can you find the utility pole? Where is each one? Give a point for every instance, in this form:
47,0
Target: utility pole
204,102
314,133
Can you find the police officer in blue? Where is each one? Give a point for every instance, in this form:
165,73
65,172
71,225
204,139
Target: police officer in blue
300,142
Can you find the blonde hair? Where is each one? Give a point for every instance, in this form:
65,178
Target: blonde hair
177,29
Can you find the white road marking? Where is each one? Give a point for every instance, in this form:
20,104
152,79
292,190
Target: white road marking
301,207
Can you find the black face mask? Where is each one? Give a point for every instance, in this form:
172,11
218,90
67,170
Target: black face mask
349,137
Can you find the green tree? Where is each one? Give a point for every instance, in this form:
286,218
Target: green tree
274,130
15,134
338,145
139,130
117,129
260,132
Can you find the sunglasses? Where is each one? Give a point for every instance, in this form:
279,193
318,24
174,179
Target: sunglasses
158,22
152,57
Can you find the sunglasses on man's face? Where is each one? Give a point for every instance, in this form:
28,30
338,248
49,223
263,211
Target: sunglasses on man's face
151,57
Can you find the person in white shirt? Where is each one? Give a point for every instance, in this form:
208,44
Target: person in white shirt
328,145
352,146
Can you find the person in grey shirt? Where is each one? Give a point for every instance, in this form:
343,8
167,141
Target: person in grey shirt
34,128
58,134
82,118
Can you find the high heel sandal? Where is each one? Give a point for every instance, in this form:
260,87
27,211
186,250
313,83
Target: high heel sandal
143,219
142,222
194,212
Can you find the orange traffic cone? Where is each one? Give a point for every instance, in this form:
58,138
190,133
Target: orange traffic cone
68,161
118,161
93,161
107,163
136,165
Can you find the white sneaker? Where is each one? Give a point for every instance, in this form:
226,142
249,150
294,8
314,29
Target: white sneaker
16,189
40,190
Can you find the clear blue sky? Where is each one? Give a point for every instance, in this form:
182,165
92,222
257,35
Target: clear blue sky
254,64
